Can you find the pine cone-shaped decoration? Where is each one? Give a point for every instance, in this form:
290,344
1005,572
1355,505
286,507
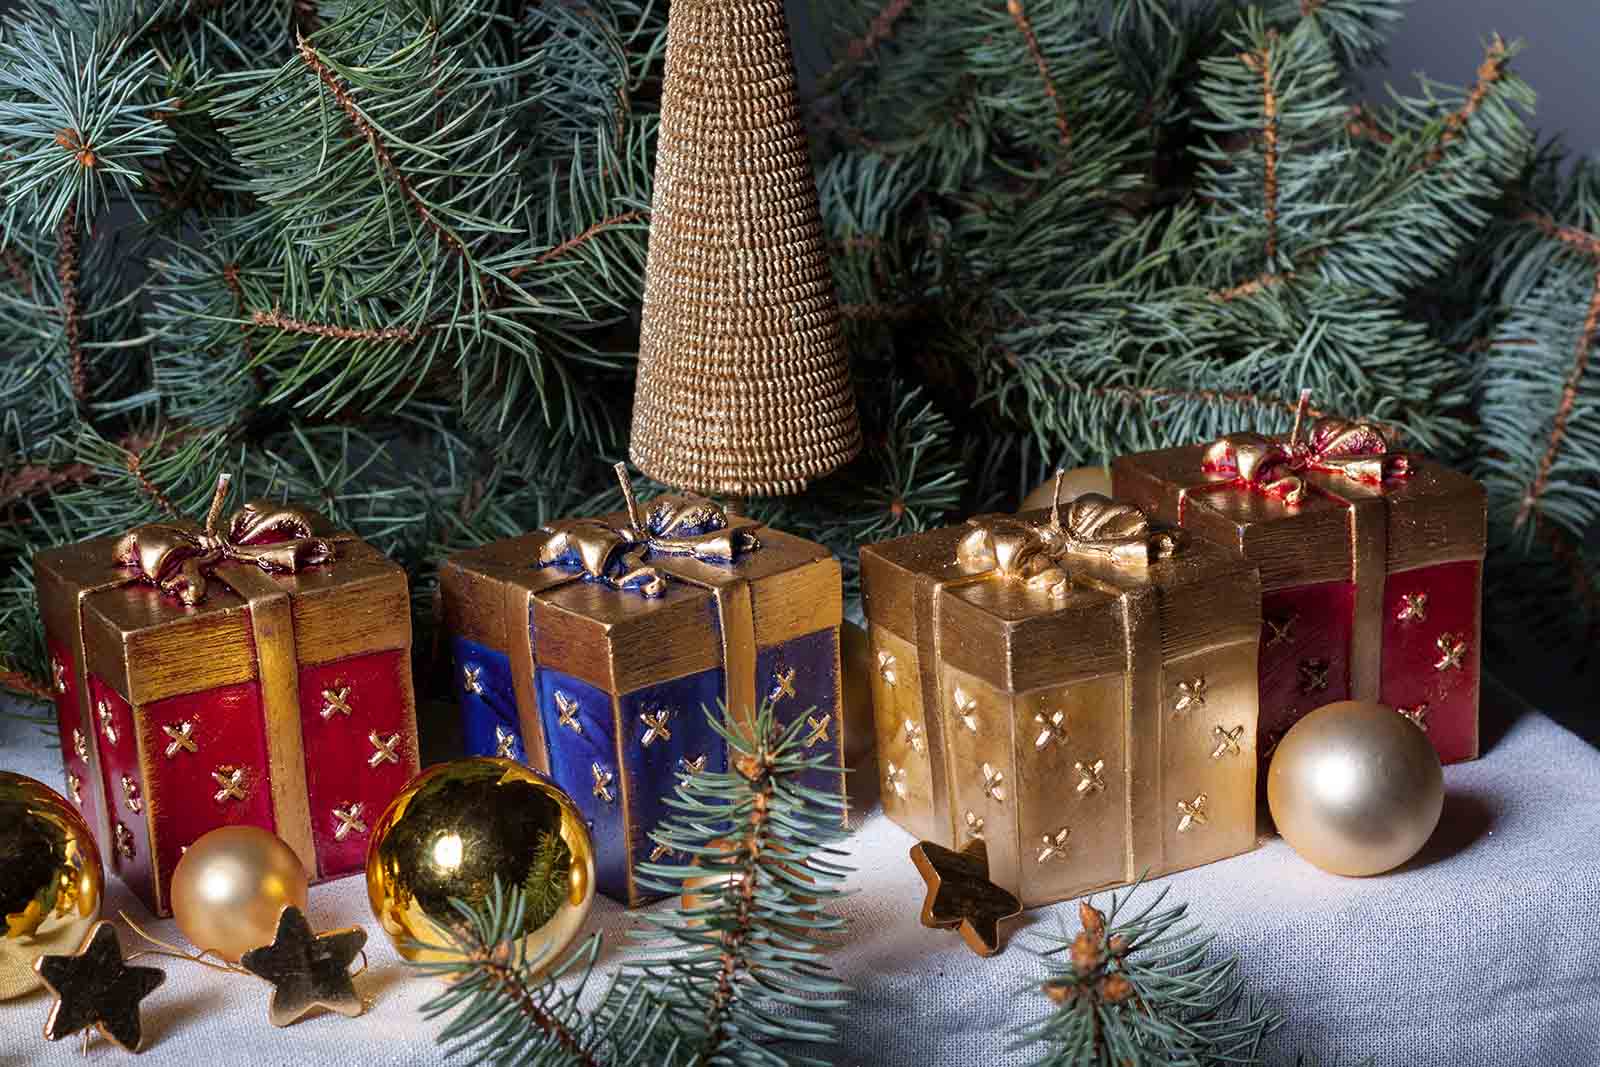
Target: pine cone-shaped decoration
744,383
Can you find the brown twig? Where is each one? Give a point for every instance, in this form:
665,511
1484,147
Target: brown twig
18,271
1261,63
1250,288
1025,27
36,478
1491,70
1569,398
572,244
1571,236
1135,396
878,312
510,985
135,467
71,311
279,321
1361,123
879,30
26,684
342,96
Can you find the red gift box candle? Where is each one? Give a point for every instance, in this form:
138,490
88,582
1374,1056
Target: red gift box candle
258,675
1371,568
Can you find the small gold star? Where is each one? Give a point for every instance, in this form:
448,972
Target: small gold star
1090,776
1052,729
97,988
1054,847
655,726
307,970
974,826
1418,714
472,679
336,702
1451,649
130,795
231,783
1282,629
784,686
1227,741
182,735
690,767
896,779
1192,813
1413,607
567,712
385,749
602,782
1313,675
994,781
819,730
888,669
914,735
505,743
124,838
107,725
58,674
1191,694
967,709
660,852
349,821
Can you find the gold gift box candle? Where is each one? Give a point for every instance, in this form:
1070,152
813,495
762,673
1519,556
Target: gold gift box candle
1074,686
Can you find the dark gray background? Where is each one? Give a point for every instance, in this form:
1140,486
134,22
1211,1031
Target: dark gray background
1445,39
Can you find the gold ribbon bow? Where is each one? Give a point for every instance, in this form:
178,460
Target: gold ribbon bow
1031,554
179,557
675,525
1356,450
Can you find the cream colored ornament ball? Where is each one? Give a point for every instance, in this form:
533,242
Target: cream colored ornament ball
1074,483
50,880
457,829
1355,788
230,887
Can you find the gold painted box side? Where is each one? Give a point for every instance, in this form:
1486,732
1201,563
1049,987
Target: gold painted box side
906,779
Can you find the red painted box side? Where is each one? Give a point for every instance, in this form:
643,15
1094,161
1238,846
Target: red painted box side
1305,655
1431,637
79,783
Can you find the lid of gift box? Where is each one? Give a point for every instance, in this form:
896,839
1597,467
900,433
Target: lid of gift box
1020,639
620,639
1435,515
148,645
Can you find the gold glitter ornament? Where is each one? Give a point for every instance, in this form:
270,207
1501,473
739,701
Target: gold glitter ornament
459,827
1074,483
50,880
230,887
1355,788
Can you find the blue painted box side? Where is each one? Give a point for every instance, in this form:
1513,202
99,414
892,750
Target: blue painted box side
580,734
489,722
666,735
801,678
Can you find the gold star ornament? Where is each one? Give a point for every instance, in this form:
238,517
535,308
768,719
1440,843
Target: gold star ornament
96,988
307,970
960,895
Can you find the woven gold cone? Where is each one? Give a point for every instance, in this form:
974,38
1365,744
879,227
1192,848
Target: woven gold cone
744,383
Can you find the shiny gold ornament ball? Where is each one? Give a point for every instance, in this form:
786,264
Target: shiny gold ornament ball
1074,484
50,880
230,887
1355,788
459,826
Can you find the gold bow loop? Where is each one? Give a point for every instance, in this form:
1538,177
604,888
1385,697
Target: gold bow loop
179,557
675,525
1355,450
1032,554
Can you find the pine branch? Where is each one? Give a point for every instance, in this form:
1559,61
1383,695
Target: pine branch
71,311
1025,27
1569,397
26,685
1260,63
1571,236
1490,71
275,319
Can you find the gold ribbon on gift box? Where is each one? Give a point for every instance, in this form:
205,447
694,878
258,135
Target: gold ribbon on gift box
1346,461
180,558
1038,556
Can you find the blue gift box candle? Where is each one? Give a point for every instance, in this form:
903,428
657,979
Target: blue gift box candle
590,650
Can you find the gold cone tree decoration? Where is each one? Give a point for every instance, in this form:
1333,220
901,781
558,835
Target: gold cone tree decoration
744,384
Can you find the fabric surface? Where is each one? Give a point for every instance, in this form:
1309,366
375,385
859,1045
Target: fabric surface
1481,951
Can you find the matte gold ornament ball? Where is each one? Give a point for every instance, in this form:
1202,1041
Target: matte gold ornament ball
1355,788
230,887
1074,484
50,880
456,829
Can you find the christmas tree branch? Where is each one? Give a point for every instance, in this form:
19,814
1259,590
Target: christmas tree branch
71,308
1261,63
1490,71
26,685
275,319
1569,397
879,30
1571,236
17,271
1031,39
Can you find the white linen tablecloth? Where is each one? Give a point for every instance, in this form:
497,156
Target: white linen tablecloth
1485,950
